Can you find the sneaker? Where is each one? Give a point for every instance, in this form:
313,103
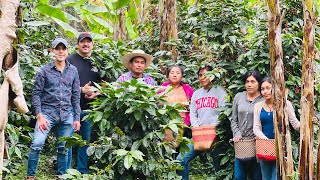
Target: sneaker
31,178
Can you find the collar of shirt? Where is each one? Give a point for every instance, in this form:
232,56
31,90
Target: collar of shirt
89,57
143,75
84,58
52,65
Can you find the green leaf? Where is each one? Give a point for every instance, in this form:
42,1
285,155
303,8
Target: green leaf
70,17
132,88
18,152
132,11
128,161
137,115
70,31
174,128
37,23
90,150
224,160
130,29
162,111
67,3
101,150
95,9
136,145
138,155
52,12
129,110
172,175
11,150
74,172
103,23
98,116
233,39
317,7
121,152
67,176
120,3
151,111
44,1
103,124
145,142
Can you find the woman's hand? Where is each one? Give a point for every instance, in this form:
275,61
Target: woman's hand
261,138
236,139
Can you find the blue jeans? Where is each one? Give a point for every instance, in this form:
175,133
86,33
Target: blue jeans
64,128
249,168
185,160
82,156
268,170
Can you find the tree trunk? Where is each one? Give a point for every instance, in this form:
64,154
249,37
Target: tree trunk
168,26
306,164
8,26
119,28
144,10
281,125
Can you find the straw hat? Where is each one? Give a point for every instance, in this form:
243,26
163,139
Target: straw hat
137,53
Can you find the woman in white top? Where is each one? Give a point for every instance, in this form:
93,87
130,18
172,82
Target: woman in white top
263,125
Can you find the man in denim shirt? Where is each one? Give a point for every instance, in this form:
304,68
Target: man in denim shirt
56,100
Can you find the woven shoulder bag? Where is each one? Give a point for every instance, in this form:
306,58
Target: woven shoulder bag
203,137
245,149
266,149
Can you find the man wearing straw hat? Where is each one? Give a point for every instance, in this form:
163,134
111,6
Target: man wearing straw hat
137,62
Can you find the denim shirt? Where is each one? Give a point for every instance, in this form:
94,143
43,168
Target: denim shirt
56,93
128,76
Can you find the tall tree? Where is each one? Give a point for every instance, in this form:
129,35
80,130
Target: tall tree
168,25
281,125
119,28
306,164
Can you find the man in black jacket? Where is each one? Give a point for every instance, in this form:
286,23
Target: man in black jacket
88,73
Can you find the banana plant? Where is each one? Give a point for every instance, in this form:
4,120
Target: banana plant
104,18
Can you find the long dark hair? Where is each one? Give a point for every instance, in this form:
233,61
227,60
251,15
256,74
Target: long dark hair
266,79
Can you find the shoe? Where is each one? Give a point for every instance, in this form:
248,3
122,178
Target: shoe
31,178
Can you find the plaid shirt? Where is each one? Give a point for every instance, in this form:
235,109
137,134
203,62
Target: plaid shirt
128,76
56,93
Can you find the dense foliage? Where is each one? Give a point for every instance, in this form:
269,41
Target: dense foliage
130,143
129,122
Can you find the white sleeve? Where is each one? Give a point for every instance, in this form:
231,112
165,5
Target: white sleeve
193,112
257,127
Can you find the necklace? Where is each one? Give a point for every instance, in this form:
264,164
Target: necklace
269,108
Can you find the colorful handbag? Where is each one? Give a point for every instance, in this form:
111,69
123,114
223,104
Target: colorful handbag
203,137
245,149
266,149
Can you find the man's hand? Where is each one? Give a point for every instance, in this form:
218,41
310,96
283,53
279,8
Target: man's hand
92,95
87,89
76,126
42,123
